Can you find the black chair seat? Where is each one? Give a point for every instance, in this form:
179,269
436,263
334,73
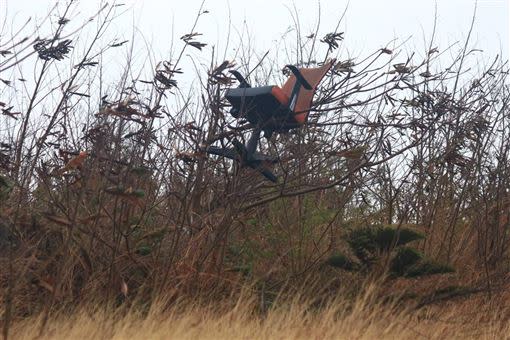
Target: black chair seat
258,105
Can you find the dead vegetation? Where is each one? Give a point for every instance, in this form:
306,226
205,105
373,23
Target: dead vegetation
106,197
361,318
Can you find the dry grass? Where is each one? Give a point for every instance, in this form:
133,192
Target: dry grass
363,319
106,194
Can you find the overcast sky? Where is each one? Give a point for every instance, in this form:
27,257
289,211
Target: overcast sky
368,24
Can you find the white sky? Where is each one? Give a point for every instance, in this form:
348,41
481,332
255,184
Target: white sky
368,24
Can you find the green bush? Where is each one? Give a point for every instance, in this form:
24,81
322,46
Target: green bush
370,244
429,267
5,187
404,260
342,262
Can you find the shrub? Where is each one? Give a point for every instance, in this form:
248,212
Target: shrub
370,245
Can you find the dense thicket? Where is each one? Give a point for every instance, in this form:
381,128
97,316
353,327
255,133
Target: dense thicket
104,191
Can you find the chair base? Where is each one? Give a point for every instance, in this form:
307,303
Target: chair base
239,153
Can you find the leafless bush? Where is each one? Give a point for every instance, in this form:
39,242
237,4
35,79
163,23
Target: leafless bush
107,191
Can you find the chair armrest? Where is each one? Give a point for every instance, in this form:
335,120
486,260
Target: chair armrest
240,78
299,76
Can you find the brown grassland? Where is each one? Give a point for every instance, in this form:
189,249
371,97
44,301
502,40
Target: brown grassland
389,220
362,318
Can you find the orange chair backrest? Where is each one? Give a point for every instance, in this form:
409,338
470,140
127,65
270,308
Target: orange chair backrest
304,99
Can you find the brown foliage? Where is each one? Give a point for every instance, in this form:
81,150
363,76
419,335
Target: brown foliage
119,204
